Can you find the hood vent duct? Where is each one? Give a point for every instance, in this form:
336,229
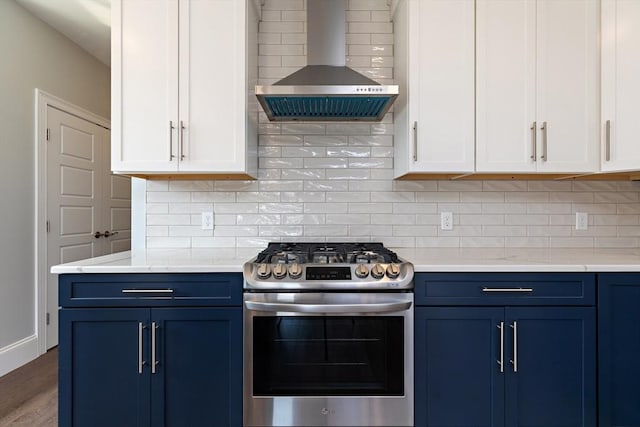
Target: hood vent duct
326,89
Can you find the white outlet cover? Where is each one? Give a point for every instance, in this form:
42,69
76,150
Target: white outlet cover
207,220
446,220
582,220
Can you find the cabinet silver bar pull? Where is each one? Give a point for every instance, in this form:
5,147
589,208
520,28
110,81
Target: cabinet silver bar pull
182,140
515,346
154,362
507,289
147,291
544,141
534,151
415,141
140,361
501,361
171,128
608,140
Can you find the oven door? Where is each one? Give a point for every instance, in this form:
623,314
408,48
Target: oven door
328,359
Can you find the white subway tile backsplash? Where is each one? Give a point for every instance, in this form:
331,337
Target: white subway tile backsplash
281,230
371,27
326,230
325,185
370,208
323,181
326,162
304,219
301,196
157,219
323,208
347,197
330,141
358,15
281,208
306,151
304,174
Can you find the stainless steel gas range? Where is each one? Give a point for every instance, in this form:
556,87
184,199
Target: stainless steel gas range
328,336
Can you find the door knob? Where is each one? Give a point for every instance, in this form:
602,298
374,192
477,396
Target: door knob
110,233
98,235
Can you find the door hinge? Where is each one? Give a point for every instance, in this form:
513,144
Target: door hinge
48,226
48,318
48,134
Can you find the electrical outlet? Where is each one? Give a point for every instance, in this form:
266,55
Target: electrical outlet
582,220
446,220
207,220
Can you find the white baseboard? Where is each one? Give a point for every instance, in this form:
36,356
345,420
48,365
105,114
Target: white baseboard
17,354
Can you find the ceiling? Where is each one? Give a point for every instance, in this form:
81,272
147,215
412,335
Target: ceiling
85,22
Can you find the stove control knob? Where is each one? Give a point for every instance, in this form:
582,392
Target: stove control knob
393,271
264,271
295,270
362,271
377,271
279,271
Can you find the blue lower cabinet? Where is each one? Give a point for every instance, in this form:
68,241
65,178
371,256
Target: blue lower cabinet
551,377
198,380
458,380
169,362
619,349
100,380
505,366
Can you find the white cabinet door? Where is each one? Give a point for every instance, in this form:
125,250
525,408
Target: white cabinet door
567,86
436,110
213,86
144,93
505,99
537,86
182,70
620,85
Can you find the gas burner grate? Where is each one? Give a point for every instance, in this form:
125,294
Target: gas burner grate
326,253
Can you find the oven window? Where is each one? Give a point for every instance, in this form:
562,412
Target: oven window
328,356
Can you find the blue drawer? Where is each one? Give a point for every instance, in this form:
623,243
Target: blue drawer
479,289
150,290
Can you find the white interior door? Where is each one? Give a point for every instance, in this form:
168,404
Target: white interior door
83,200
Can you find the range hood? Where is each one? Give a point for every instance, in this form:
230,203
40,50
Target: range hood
326,89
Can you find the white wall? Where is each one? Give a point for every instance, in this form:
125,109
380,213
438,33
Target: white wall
334,181
32,55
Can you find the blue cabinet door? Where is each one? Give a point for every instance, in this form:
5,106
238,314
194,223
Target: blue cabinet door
100,384
198,379
552,372
619,349
457,375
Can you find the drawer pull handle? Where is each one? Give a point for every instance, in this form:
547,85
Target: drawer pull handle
147,291
501,361
141,361
507,290
154,360
515,346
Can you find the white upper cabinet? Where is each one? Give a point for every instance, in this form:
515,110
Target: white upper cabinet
537,86
434,67
183,73
620,85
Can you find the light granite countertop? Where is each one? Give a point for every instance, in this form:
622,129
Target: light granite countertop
424,260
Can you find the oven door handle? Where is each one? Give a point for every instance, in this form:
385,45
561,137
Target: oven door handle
328,308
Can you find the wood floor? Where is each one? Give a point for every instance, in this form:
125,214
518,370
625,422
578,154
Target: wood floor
29,395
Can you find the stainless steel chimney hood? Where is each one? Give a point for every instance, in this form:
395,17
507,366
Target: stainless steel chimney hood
326,90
